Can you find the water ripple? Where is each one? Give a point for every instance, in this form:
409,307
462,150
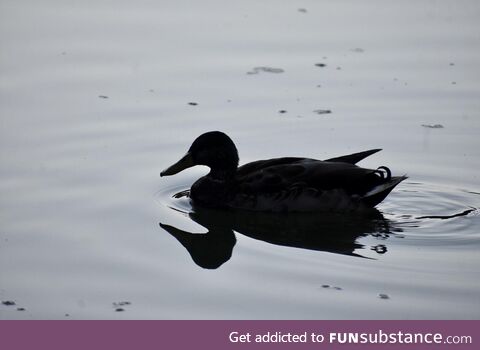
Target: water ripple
435,214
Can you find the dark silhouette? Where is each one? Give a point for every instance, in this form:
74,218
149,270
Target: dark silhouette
329,232
288,184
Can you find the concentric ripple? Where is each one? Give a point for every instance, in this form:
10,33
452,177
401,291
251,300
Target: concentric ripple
174,197
435,214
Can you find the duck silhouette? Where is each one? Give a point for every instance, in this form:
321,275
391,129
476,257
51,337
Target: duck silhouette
336,233
289,184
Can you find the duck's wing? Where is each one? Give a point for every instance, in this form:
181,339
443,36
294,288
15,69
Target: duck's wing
305,185
308,173
354,158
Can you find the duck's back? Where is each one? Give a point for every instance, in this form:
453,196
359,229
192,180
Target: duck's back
304,184
279,174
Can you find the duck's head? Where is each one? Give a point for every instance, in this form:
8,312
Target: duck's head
213,149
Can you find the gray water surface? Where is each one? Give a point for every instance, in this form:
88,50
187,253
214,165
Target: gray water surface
97,97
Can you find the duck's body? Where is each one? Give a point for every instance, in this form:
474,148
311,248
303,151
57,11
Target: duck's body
282,184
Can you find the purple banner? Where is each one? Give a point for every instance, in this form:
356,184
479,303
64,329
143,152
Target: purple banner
212,335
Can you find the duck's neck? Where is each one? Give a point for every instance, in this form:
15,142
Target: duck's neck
222,174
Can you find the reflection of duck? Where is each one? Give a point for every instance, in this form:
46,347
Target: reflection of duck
330,233
282,184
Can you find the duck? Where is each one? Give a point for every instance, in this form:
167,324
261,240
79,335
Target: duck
287,184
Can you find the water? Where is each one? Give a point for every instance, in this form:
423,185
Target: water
96,98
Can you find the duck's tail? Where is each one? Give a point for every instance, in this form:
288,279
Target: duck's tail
353,158
379,192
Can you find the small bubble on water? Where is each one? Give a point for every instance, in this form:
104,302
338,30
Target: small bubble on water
257,70
327,286
322,111
121,303
118,305
433,126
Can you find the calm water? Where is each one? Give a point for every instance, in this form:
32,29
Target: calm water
97,97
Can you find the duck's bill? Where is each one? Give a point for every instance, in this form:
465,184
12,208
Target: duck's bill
182,164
